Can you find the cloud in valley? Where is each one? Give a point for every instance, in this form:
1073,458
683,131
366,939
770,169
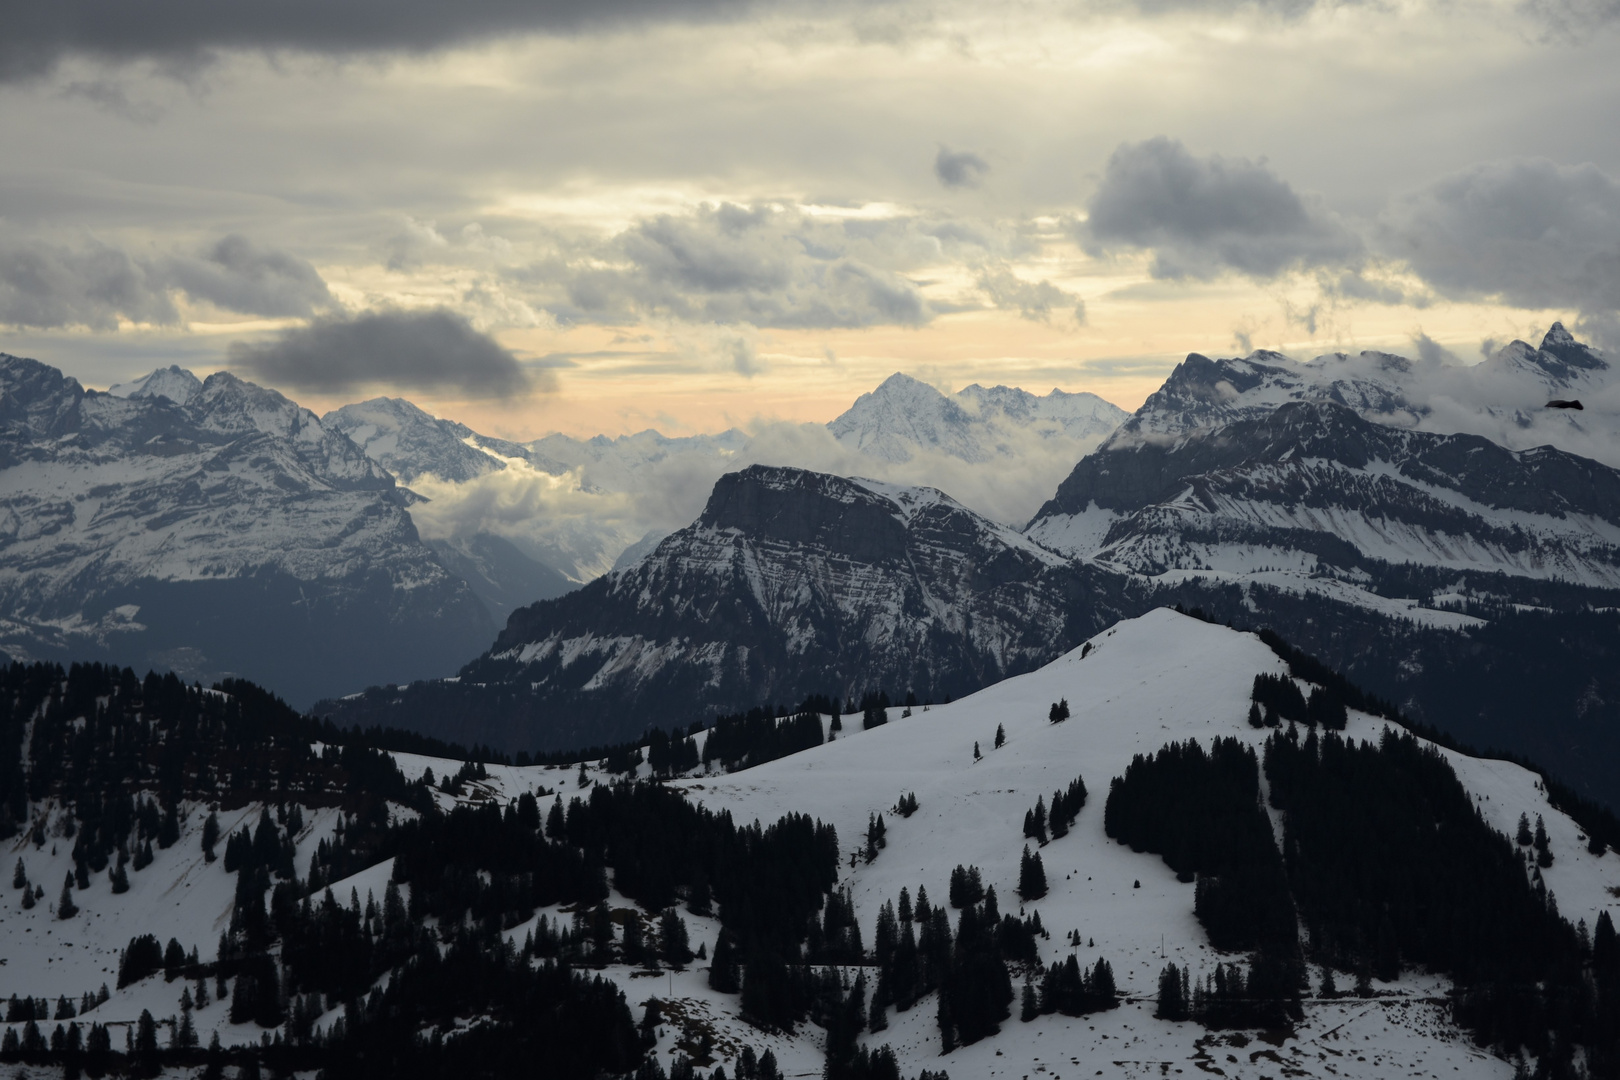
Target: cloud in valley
1205,216
436,350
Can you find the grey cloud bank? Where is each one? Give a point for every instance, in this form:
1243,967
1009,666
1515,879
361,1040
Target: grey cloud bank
414,350
45,285
1202,217
762,266
1530,232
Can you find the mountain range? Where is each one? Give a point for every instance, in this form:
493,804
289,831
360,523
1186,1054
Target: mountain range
213,528
1324,507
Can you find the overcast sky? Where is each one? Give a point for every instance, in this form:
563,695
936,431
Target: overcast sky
537,215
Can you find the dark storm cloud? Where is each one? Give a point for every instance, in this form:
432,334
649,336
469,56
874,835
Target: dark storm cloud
1528,232
39,33
960,168
409,350
1205,216
48,286
758,265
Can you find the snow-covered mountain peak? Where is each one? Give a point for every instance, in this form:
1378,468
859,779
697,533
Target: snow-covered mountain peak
905,416
902,415
410,442
1560,365
173,382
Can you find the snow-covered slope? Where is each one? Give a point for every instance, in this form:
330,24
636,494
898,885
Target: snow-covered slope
790,583
1131,688
232,534
1143,683
904,417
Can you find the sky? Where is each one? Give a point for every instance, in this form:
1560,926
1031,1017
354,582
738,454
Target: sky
695,214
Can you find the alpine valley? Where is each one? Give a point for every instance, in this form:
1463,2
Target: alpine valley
1278,736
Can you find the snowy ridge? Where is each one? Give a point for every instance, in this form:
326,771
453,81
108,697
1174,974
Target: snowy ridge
1505,398
1314,486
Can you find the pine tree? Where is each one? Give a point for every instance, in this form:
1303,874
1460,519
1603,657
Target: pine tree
1173,1004
19,877
1001,737
1031,876
1544,856
976,754
1030,1007
1523,835
1329,988
210,836
65,907
674,938
1059,711
1255,719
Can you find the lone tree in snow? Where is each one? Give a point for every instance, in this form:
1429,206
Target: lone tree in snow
1059,712
65,907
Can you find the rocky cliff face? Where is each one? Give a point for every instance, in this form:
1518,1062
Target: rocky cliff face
790,583
229,533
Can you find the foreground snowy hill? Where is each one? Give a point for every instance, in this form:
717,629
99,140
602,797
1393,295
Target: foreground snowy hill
228,533
974,769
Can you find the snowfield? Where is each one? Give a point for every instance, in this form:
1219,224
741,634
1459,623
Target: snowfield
1131,689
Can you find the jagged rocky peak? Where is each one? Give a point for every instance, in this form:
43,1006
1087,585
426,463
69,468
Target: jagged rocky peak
173,382
36,398
795,506
1560,364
